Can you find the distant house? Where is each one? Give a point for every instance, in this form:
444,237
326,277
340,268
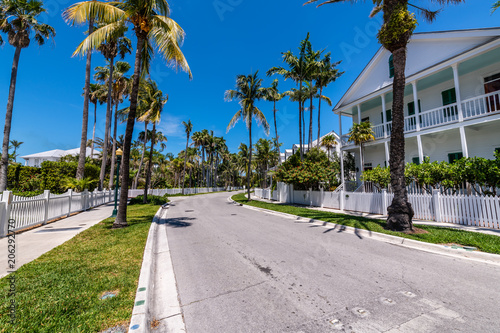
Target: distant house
295,148
35,160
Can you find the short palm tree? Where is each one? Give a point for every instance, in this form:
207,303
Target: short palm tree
19,20
188,128
273,95
152,24
329,142
15,144
96,95
359,134
248,91
394,35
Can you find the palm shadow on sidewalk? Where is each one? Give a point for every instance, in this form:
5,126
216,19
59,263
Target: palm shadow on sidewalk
177,222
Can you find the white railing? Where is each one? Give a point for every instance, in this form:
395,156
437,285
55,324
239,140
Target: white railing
439,116
378,131
31,211
410,124
173,191
473,210
481,105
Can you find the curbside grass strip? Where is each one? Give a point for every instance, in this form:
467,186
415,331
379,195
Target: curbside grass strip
140,313
484,257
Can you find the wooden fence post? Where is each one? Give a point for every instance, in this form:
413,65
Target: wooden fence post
5,212
437,208
46,197
70,197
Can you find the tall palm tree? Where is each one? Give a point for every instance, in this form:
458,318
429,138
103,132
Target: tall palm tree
115,45
96,95
359,134
299,70
152,24
19,20
273,95
394,35
329,142
15,144
198,140
326,74
154,100
188,127
248,91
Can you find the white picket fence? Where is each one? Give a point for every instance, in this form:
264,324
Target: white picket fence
171,191
30,211
472,210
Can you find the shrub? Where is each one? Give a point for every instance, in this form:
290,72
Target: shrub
151,199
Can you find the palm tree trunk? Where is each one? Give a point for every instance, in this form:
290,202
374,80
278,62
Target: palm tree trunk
304,123
121,217
80,170
310,123
136,179
8,121
276,131
203,164
400,212
249,157
113,153
109,109
150,164
185,160
319,113
300,122
93,131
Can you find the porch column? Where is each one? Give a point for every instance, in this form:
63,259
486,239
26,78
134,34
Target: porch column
361,168
457,92
341,152
387,156
359,113
415,103
384,116
463,140
420,149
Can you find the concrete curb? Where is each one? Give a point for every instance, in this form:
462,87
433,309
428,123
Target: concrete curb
483,257
157,289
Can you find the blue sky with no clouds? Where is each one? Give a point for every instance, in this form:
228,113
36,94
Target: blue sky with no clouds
223,38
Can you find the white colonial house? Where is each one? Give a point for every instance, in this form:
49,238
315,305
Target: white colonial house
289,152
452,98
36,160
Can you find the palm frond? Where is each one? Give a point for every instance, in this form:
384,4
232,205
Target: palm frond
82,12
96,38
234,120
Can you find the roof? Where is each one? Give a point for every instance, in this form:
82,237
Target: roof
57,153
445,45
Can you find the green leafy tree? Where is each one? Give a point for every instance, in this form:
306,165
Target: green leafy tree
248,91
19,20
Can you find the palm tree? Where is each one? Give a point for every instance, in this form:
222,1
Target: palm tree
115,45
188,127
394,35
198,139
326,74
359,134
299,71
495,6
329,142
19,19
273,95
15,144
152,24
96,95
248,91
154,100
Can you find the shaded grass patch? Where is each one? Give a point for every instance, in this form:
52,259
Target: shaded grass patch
432,234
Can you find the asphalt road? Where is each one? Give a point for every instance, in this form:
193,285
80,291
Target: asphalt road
240,270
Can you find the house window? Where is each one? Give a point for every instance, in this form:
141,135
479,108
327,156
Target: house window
492,84
449,97
454,157
365,120
415,160
37,162
388,115
391,66
411,112
367,166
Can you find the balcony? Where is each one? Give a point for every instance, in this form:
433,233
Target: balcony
484,105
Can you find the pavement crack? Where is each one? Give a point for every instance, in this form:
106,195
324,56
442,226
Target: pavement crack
225,293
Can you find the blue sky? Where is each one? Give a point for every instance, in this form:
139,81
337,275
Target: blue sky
223,38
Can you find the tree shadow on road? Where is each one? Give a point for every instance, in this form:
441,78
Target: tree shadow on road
177,222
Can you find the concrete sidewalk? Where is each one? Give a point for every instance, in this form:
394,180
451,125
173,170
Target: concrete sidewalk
488,231
33,243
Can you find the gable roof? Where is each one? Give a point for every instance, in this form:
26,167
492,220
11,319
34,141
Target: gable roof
57,153
445,45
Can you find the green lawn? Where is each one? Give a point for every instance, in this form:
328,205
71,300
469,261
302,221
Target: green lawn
485,243
59,292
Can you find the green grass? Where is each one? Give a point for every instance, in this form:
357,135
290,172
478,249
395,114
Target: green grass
436,235
59,291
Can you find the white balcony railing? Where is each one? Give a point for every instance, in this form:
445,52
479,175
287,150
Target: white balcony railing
483,105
